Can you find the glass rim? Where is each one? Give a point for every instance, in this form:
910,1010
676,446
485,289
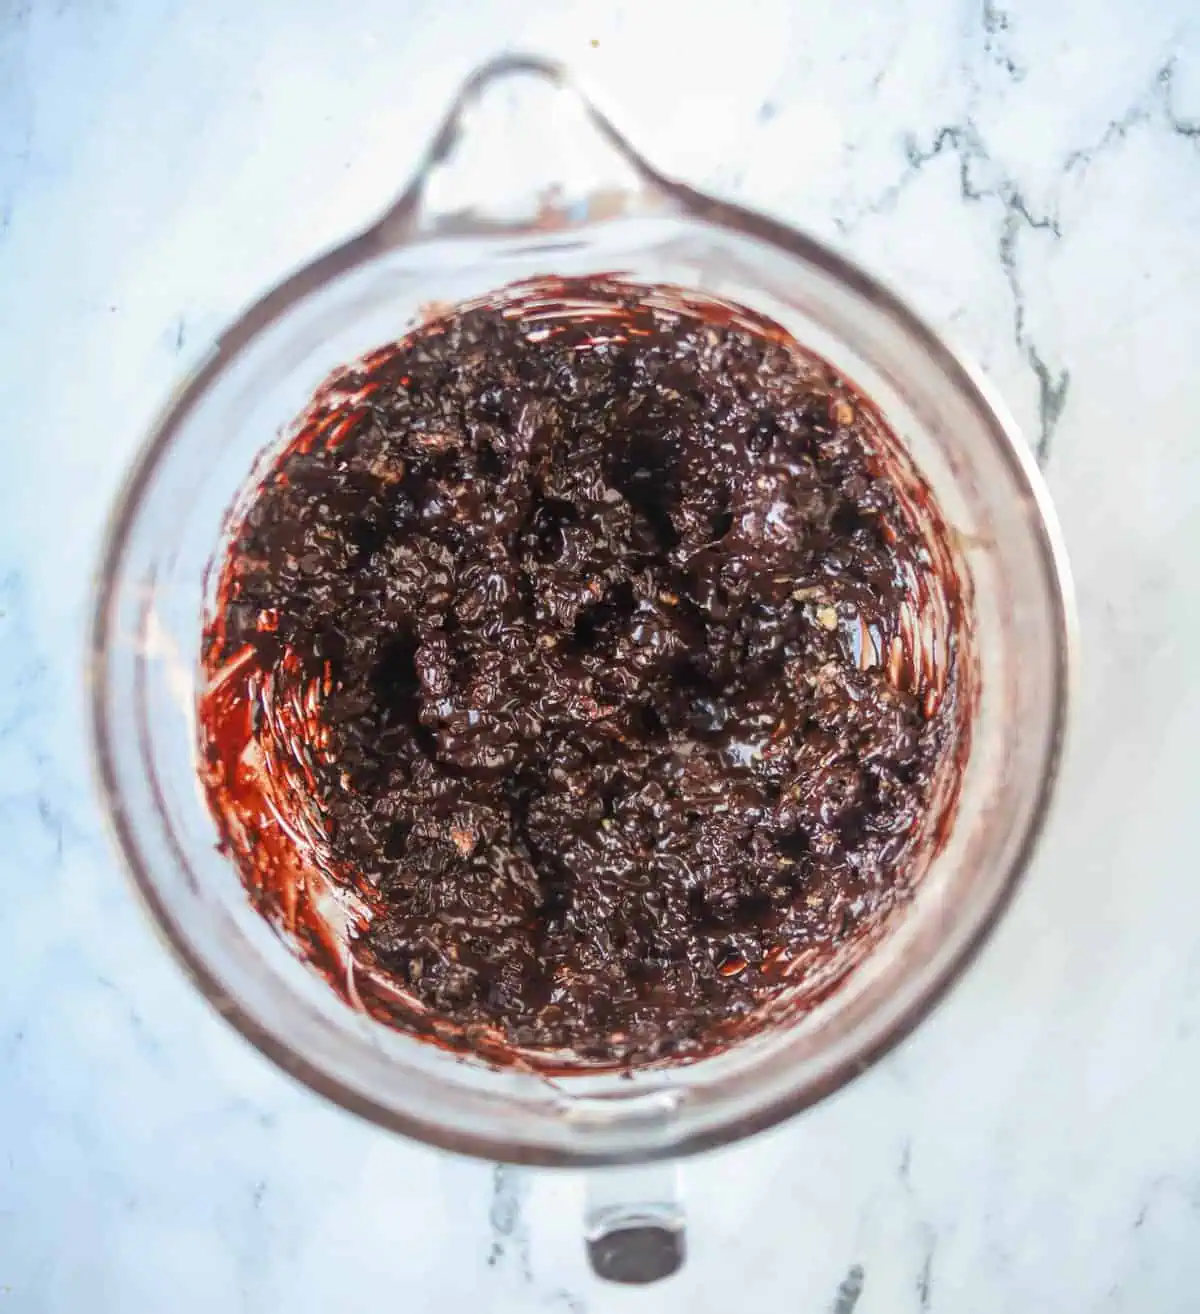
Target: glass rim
374,241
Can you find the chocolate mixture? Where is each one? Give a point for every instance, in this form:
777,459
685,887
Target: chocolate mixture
562,690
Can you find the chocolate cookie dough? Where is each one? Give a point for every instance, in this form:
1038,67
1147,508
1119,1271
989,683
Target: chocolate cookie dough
560,686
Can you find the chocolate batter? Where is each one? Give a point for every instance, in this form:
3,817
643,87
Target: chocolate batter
562,687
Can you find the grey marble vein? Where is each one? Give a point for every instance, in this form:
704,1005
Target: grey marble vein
966,145
850,1291
924,1282
996,22
509,1244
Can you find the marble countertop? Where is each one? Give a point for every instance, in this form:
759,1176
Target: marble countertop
1029,175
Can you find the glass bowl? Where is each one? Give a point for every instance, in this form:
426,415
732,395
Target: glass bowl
527,177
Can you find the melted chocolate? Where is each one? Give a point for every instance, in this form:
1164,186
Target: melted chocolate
571,678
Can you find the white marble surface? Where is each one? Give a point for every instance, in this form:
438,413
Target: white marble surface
1028,174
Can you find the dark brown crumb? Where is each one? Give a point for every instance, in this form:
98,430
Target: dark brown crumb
591,631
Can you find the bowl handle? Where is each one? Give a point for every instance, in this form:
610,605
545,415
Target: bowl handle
523,150
634,1223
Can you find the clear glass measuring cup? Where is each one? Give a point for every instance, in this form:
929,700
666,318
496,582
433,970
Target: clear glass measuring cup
528,177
